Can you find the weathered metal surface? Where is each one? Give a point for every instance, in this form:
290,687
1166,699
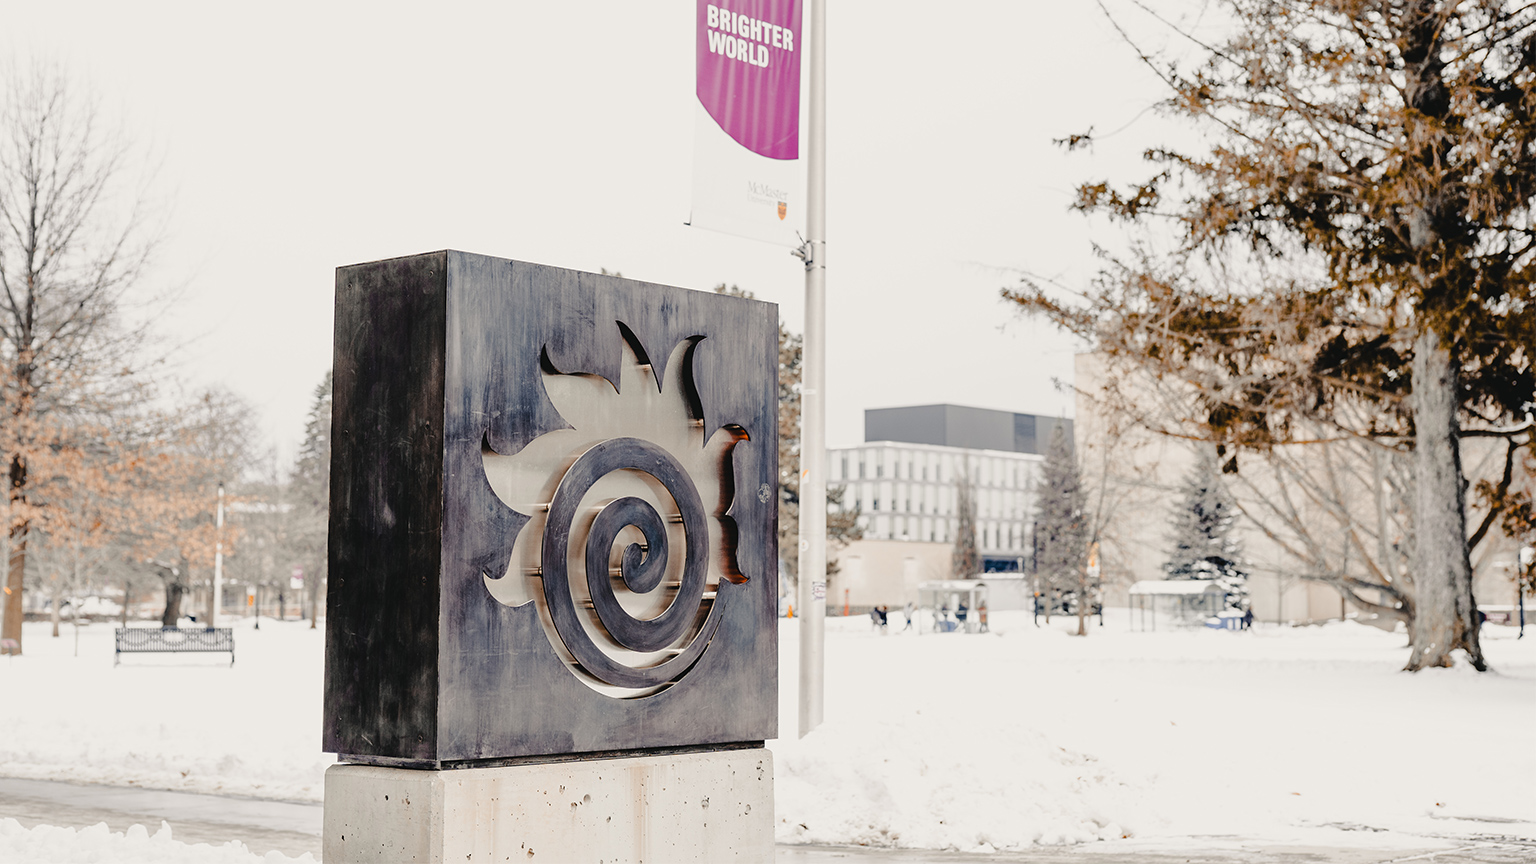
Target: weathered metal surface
553,522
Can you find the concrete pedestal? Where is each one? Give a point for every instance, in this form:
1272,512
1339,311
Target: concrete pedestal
714,806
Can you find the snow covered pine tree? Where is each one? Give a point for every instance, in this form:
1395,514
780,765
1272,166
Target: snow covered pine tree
1061,532
1203,546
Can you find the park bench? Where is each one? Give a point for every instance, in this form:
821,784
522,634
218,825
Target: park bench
146,640
1497,614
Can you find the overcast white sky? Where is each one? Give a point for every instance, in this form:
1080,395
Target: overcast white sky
296,137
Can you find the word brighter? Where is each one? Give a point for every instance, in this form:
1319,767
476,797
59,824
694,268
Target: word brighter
725,25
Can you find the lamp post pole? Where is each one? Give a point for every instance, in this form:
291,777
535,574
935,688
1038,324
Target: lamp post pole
218,564
813,450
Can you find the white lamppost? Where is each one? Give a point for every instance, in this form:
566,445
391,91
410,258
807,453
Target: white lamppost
218,564
813,449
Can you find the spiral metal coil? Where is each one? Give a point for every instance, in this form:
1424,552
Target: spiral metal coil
642,569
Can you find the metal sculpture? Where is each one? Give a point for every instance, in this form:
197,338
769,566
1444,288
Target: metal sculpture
553,527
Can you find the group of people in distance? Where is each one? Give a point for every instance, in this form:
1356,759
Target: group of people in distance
879,616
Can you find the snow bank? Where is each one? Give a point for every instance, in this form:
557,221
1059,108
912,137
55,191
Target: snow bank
135,846
1022,737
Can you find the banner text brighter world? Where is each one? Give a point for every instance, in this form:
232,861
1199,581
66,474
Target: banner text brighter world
755,36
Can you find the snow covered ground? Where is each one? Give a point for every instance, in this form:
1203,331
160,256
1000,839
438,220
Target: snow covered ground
1306,736
135,846
1025,736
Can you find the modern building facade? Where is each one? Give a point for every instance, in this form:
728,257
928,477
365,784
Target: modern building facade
904,477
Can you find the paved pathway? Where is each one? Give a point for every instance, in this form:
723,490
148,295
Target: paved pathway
294,829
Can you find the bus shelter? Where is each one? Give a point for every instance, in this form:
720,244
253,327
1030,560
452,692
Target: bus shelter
1181,602
954,605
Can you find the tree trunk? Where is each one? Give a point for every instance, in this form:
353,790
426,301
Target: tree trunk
127,596
15,576
173,592
1082,604
54,614
1445,614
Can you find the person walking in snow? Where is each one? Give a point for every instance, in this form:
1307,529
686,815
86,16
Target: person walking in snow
909,617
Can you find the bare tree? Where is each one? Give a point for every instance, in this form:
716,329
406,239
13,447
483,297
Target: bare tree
209,441
1119,473
70,249
1337,508
310,492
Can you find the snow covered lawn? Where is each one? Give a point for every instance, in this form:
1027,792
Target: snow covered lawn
1029,735
1023,736
134,846
168,721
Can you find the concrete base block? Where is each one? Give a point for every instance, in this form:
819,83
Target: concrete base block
715,806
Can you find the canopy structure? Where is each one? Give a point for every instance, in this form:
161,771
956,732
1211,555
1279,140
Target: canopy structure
1182,601
953,604
1176,587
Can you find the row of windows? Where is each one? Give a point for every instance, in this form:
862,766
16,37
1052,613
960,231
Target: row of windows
876,463
915,498
990,537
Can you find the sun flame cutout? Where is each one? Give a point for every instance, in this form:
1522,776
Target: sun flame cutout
628,539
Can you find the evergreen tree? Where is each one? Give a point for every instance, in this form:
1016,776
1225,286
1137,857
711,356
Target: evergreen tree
1061,529
1203,545
965,561
310,489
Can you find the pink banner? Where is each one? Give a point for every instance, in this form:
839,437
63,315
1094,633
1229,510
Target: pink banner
749,72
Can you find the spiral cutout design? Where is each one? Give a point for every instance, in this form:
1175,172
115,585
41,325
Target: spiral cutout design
642,570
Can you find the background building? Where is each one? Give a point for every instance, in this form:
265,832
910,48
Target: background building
903,479
1134,478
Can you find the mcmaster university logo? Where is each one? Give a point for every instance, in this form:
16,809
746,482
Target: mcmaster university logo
627,542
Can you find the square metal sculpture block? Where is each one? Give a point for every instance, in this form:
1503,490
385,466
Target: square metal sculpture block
554,509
